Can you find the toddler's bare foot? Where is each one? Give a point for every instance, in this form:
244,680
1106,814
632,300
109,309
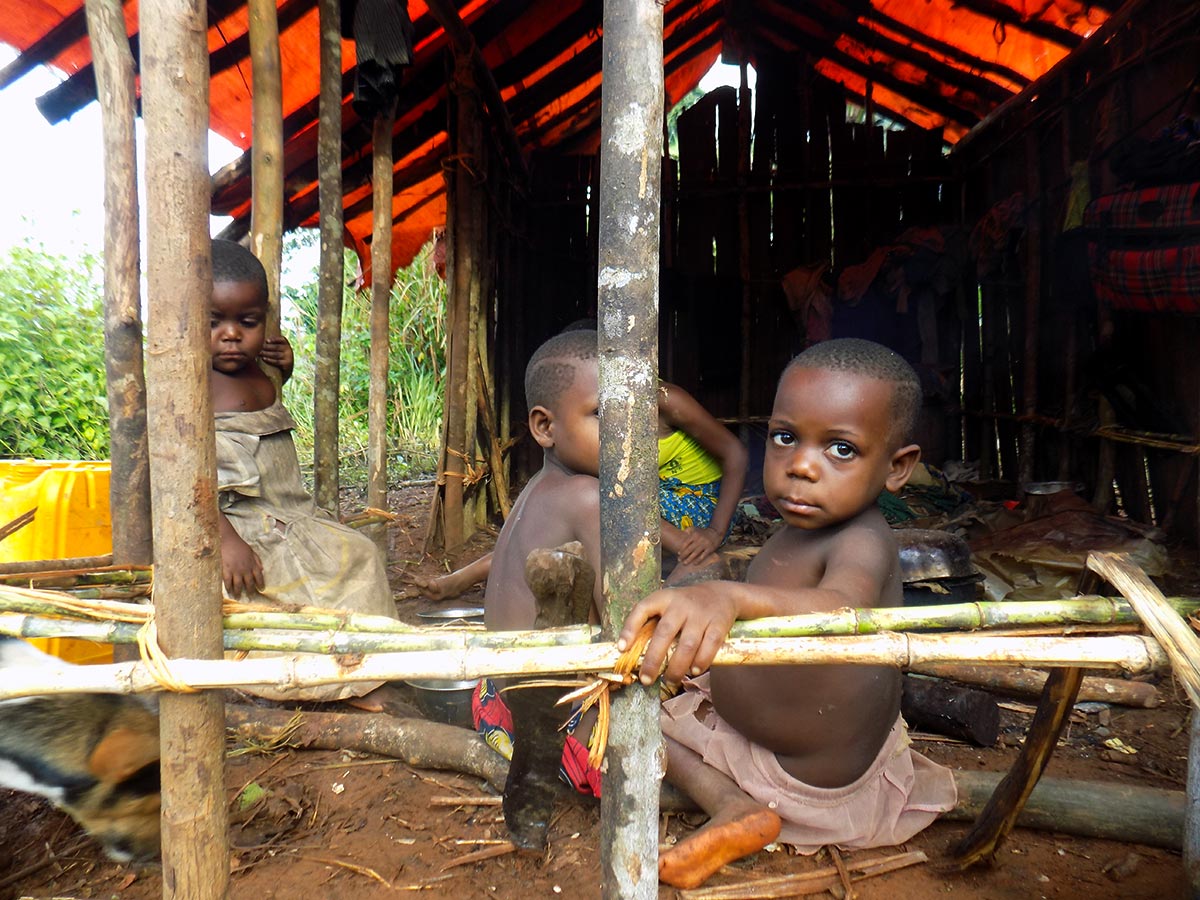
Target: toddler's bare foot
366,703
727,837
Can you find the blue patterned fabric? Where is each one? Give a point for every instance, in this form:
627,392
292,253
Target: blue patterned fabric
688,505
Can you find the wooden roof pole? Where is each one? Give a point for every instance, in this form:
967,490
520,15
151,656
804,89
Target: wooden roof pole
266,161
129,495
381,293
329,289
464,44
182,450
630,181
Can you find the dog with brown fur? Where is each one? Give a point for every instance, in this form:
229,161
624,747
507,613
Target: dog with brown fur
95,756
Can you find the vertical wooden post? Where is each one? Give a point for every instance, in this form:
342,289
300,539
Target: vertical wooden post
475,150
743,207
459,327
129,498
630,182
266,151
329,289
1191,820
1033,305
182,455
381,294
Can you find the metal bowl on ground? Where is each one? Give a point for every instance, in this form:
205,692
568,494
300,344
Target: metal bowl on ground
935,567
453,615
1043,488
445,700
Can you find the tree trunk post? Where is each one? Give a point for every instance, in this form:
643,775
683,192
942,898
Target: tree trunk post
743,207
266,154
183,459
630,180
1027,464
381,293
329,291
458,306
129,495
1191,820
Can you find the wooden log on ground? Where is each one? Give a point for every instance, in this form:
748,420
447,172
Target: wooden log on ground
174,57
1116,812
428,745
957,712
1029,683
1121,812
55,565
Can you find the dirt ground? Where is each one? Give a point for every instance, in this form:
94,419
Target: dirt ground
348,826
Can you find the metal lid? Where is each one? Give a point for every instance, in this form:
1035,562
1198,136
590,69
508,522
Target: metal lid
926,554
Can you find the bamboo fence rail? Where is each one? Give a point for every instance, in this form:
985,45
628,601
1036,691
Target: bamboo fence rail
1135,654
1079,611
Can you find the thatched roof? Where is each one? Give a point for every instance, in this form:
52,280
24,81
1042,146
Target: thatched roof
935,64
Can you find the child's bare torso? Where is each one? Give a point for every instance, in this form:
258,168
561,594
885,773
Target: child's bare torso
825,724
547,514
245,391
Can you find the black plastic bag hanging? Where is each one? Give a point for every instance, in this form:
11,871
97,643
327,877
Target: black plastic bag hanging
383,40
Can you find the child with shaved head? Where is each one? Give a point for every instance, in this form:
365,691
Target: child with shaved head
809,755
559,505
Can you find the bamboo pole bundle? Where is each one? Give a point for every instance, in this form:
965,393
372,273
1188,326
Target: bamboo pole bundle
81,577
55,565
1098,611
1167,626
1132,653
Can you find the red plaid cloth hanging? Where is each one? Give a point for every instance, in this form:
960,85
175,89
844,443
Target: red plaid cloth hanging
1144,248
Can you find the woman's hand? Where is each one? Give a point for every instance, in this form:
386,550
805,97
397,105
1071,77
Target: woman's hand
697,545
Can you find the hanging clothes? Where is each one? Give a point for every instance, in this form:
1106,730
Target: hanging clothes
382,32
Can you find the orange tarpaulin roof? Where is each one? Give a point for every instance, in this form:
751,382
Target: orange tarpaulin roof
937,64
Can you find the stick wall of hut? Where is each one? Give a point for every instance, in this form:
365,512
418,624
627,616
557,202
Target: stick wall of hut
381,293
129,495
174,66
630,181
1033,297
327,376
460,330
266,160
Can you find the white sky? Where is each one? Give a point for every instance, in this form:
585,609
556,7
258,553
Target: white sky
52,176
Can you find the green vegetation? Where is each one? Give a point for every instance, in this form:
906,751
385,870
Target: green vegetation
53,403
416,369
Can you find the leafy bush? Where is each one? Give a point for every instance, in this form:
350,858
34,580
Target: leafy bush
53,405
416,369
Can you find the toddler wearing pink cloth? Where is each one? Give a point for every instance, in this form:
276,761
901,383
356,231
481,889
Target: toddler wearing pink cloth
807,754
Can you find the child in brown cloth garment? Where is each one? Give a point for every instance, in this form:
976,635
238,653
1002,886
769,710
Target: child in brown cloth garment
276,544
809,755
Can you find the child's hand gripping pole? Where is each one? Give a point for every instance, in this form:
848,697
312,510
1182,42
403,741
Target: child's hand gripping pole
597,691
